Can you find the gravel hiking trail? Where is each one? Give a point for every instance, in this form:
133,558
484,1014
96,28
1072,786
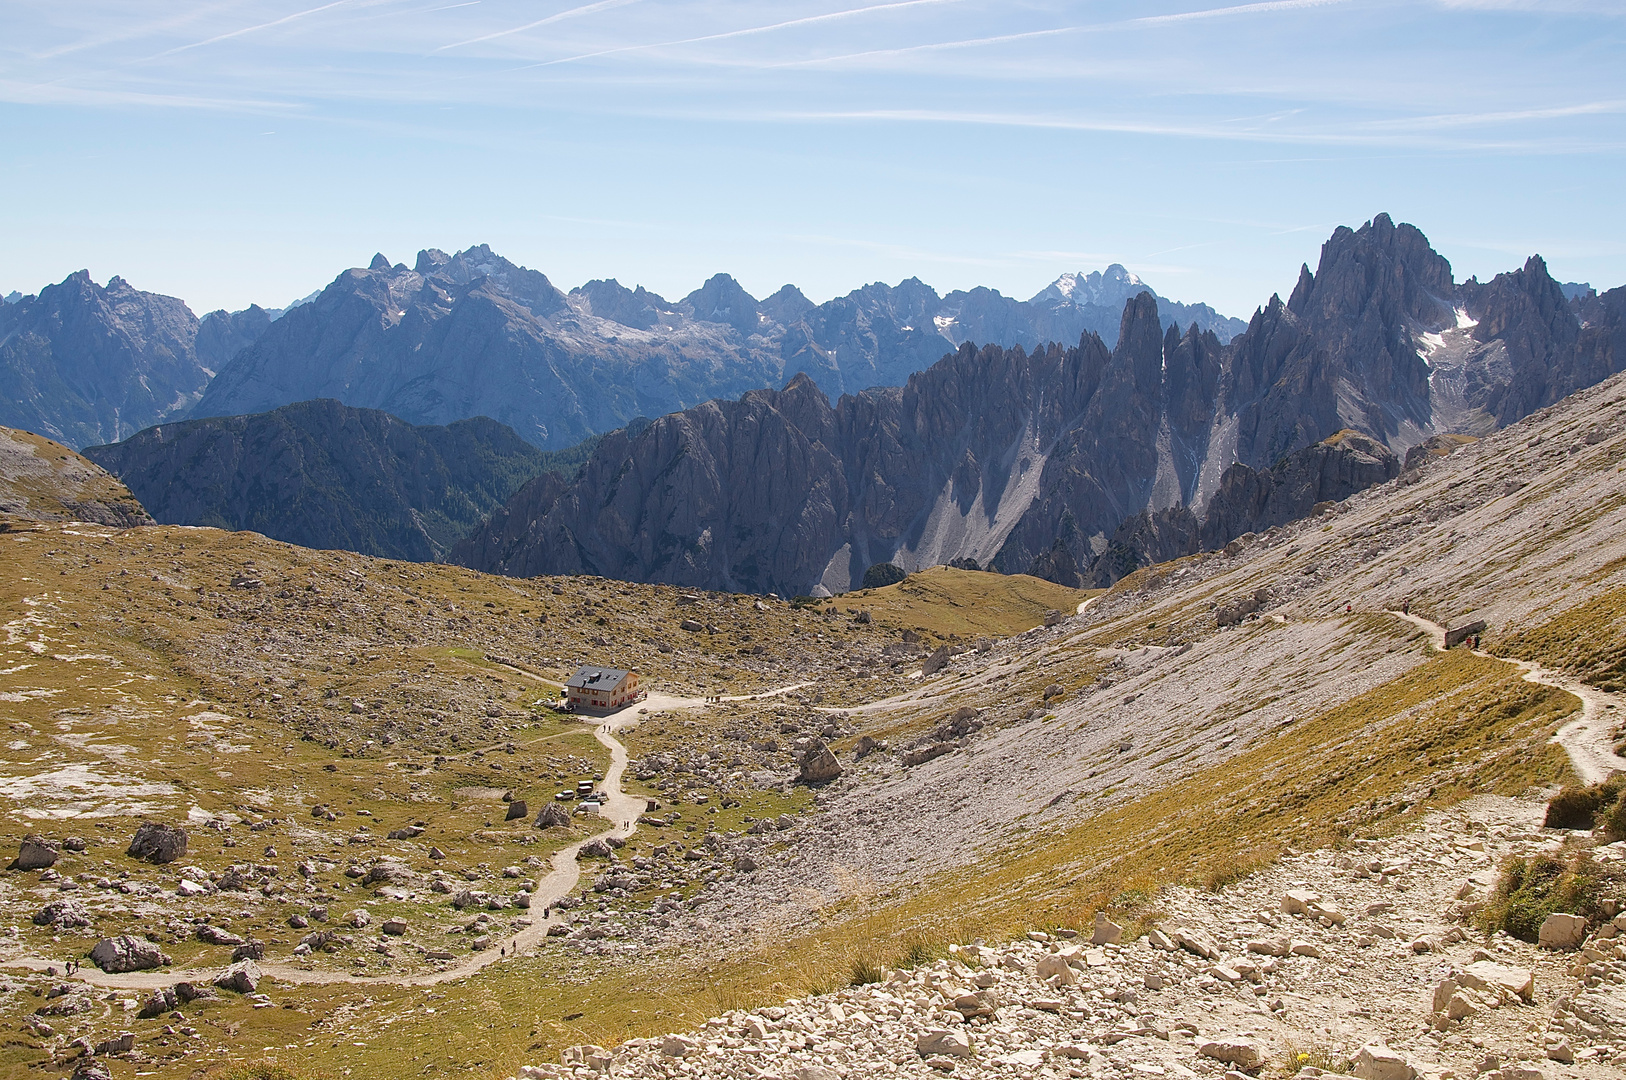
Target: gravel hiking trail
1587,738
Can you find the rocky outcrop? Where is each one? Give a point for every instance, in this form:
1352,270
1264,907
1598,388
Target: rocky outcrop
158,843
1253,500
84,363
1077,465
324,475
42,480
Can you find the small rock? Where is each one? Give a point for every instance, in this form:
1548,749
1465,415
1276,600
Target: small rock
1562,931
1377,1062
394,927
677,1045
939,1041
1244,1053
119,1044
1106,932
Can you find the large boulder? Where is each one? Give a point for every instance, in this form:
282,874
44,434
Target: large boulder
158,843
35,853
551,815
125,953
819,764
516,810
241,977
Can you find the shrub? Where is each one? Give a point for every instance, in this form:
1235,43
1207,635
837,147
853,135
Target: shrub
1578,807
866,971
883,574
1532,889
1613,820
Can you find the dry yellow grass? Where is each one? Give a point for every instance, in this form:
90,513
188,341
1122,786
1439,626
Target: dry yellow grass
1458,726
960,604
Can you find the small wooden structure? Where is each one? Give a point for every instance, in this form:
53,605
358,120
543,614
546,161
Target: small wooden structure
601,689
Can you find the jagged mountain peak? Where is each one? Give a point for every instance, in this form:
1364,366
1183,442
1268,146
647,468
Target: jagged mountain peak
609,299
723,300
1108,288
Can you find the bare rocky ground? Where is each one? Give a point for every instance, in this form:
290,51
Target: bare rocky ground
1296,969
1150,686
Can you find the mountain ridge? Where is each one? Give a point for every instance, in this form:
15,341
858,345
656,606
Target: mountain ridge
472,333
324,475
1034,462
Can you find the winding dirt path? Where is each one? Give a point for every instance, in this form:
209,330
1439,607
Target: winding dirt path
619,809
1588,738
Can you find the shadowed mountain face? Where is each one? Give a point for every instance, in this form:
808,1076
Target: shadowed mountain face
473,334
86,364
323,475
1075,464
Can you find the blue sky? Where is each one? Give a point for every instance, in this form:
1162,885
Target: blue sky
235,152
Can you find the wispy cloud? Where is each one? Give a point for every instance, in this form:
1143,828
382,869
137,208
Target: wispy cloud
572,13
1141,22
1266,8
1450,120
134,31
255,28
808,20
22,93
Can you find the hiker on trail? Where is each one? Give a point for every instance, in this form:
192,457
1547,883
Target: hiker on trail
1405,609
1348,609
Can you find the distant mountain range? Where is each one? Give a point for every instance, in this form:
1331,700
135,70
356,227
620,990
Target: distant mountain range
472,334
325,475
1077,463
84,363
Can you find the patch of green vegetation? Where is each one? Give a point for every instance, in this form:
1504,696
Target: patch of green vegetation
1580,807
1530,889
